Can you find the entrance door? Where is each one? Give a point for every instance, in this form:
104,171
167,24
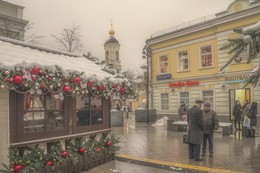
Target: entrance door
237,94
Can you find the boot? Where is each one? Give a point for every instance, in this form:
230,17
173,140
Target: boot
248,133
253,133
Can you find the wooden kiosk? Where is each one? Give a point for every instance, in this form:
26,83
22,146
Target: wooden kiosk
54,110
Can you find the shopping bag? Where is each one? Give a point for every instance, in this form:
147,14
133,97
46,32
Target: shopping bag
246,122
184,139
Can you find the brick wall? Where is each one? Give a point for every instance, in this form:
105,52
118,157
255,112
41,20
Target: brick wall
4,126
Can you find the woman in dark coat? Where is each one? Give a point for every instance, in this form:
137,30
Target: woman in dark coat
237,112
253,119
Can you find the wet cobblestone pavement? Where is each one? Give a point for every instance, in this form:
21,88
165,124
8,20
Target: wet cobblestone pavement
234,153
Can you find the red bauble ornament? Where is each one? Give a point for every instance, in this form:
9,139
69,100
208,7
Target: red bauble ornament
64,154
122,90
8,80
115,86
35,71
77,80
108,143
17,79
50,163
81,150
90,84
66,88
18,168
101,88
34,78
98,149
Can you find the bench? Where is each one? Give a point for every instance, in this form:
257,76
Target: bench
227,128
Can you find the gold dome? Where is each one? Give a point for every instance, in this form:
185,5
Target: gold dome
111,31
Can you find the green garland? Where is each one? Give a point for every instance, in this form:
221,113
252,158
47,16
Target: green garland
33,159
37,79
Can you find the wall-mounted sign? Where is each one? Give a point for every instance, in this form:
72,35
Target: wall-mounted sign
183,84
164,76
237,78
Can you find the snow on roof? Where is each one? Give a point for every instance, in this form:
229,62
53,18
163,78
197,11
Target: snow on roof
13,52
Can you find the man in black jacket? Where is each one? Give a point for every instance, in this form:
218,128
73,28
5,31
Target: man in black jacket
195,130
210,124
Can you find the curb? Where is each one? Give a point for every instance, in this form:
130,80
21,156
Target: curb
172,166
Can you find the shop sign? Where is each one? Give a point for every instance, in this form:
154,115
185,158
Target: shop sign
236,79
164,76
183,84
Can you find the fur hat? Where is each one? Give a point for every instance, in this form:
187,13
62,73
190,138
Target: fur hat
206,105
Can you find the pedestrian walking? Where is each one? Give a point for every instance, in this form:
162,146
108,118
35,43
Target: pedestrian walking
253,119
182,111
195,130
237,112
211,123
245,108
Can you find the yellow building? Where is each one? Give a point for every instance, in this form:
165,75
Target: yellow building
185,63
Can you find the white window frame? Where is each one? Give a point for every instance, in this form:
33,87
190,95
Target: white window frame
213,98
187,103
200,56
160,64
179,60
167,102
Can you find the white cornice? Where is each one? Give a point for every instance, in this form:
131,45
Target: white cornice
205,25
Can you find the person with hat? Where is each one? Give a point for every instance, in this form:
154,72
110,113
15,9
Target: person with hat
211,123
182,111
195,130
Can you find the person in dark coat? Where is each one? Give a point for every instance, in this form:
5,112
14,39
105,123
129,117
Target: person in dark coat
211,123
237,112
253,119
182,111
195,130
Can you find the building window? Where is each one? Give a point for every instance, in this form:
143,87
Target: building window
107,55
206,56
163,62
208,97
89,111
117,55
183,61
36,117
164,101
42,113
184,96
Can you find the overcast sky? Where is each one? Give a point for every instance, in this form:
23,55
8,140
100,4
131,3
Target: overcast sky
134,21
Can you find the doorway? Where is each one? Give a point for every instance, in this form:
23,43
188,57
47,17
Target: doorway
238,94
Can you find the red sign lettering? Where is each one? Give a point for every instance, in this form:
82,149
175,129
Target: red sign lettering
182,84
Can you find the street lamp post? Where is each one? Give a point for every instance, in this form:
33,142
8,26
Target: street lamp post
147,54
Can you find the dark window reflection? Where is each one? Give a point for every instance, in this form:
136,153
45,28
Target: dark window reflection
42,113
89,111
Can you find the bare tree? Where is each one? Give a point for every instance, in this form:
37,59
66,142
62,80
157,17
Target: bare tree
70,39
17,29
